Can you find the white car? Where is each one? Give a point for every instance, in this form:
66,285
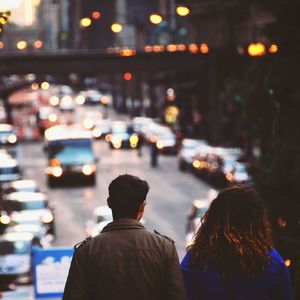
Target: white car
9,169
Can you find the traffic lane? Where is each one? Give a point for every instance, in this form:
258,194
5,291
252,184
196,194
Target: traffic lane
169,200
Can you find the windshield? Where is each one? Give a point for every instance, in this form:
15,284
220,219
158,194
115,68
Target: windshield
73,151
14,247
31,205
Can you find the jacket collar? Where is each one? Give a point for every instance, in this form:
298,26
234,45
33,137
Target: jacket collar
122,224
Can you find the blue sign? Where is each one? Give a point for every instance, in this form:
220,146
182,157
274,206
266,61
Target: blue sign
50,270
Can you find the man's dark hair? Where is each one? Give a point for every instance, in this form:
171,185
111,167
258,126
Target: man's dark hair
126,193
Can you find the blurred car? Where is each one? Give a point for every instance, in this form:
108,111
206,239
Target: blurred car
100,214
7,135
101,129
23,185
122,136
188,149
166,141
66,104
141,124
38,231
197,211
9,169
91,97
238,174
47,116
90,118
16,257
25,206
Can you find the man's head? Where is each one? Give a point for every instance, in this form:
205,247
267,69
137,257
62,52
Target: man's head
127,195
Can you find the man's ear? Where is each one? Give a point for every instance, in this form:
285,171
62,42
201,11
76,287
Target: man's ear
109,202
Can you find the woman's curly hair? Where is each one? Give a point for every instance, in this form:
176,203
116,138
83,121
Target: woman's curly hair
235,235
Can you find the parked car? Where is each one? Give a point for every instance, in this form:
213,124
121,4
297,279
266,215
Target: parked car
188,149
16,257
9,169
23,185
238,174
123,136
24,206
7,135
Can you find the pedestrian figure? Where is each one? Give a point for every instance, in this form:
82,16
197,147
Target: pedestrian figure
232,256
125,261
153,152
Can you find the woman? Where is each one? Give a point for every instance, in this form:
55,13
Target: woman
232,256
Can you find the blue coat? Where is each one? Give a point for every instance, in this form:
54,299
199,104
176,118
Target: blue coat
273,284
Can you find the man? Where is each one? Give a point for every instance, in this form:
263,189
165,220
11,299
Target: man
125,261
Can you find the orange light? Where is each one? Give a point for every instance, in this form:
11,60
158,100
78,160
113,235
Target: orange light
38,44
1,45
127,52
127,76
34,86
172,48
287,262
96,15
85,22
193,48
182,11
229,176
181,47
204,48
158,48
273,49
155,19
281,222
257,49
116,27
148,48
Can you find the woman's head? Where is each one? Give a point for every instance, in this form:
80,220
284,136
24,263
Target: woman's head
235,234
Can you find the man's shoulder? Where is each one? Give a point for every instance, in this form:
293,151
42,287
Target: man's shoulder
164,237
82,243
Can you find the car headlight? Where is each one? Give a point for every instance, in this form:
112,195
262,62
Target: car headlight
47,218
56,171
97,133
5,219
134,139
88,169
159,144
12,138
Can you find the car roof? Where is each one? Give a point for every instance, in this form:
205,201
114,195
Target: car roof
61,132
17,236
26,196
19,184
7,162
6,127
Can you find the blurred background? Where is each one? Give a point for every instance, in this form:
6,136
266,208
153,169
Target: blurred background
193,96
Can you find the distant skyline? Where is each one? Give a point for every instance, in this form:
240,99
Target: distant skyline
22,11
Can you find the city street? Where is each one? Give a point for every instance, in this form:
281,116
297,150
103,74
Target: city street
170,197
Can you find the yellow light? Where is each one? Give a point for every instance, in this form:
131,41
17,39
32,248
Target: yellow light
204,48
54,100
34,86
108,137
45,85
171,48
38,44
97,133
159,144
5,219
182,11
155,19
196,163
134,139
3,21
12,139
273,49
85,22
21,45
52,117
117,145
57,171
116,27
257,49
88,170
288,262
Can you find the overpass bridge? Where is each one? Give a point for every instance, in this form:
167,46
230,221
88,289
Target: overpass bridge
93,62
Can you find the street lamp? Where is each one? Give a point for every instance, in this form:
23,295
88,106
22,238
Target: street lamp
85,22
182,11
21,45
116,27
